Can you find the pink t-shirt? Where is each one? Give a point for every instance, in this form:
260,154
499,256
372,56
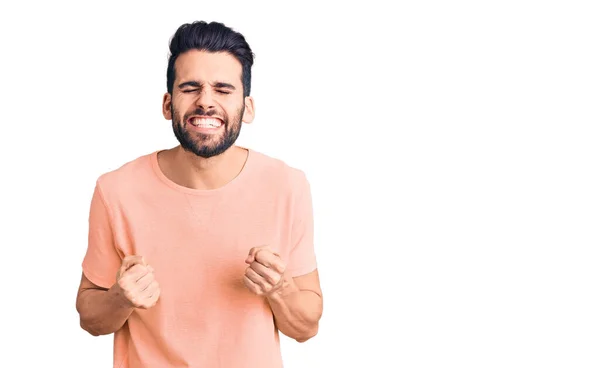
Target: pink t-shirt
197,241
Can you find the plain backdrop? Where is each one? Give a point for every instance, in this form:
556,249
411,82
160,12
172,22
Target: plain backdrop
452,149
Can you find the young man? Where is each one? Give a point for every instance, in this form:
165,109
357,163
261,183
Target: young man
199,254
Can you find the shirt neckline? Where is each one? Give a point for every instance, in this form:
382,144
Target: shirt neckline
202,192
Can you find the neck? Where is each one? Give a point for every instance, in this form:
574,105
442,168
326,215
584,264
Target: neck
189,170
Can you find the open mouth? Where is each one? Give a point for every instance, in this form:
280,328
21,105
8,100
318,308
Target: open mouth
205,122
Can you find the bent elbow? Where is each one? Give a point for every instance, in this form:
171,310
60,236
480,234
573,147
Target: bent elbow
88,328
92,329
307,336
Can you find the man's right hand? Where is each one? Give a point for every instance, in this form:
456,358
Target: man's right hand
136,282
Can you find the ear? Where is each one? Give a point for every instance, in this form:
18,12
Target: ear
166,106
249,110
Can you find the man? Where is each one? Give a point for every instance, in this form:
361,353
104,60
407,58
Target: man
199,254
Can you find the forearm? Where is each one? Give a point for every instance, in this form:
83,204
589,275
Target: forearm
297,312
103,312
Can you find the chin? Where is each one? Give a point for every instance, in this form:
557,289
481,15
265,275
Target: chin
207,151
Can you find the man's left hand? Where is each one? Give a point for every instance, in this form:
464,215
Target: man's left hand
265,273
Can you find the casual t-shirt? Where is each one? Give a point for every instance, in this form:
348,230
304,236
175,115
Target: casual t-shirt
197,242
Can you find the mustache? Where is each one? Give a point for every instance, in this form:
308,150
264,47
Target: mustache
201,111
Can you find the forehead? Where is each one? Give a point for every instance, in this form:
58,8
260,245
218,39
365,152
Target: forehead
208,66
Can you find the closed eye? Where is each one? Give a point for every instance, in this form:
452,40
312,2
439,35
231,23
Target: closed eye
196,90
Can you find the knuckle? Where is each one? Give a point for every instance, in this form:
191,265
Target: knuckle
128,292
136,268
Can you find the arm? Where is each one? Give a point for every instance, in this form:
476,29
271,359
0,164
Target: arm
293,293
296,302
101,311
99,302
104,311
104,303
297,306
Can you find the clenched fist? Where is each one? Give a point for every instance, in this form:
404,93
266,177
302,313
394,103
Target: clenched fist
265,273
136,281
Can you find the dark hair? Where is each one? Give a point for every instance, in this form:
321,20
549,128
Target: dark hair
212,37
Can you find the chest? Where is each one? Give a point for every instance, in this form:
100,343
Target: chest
204,241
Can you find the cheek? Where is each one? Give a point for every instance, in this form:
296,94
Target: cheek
182,101
180,109
235,110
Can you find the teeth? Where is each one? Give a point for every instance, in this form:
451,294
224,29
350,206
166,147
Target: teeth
206,122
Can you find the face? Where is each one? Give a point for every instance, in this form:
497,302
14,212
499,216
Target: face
207,106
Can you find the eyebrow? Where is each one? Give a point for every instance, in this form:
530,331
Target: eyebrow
189,84
196,84
224,85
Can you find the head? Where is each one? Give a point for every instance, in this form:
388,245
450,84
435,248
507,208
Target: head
208,87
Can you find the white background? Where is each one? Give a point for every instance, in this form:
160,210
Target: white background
452,148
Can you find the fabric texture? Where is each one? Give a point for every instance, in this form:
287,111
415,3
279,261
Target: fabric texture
197,241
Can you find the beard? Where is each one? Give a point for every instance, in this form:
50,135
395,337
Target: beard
206,145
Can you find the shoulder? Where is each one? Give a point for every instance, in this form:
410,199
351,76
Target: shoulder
124,178
277,172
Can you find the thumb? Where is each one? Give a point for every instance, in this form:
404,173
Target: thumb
253,252
131,261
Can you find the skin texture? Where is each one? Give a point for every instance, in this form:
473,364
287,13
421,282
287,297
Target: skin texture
207,84
104,311
198,87
215,90
296,302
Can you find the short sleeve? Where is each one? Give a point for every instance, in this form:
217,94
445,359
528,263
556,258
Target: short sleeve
302,258
101,261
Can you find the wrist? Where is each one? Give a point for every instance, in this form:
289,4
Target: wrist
119,298
286,287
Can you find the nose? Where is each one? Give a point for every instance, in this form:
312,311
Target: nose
205,100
